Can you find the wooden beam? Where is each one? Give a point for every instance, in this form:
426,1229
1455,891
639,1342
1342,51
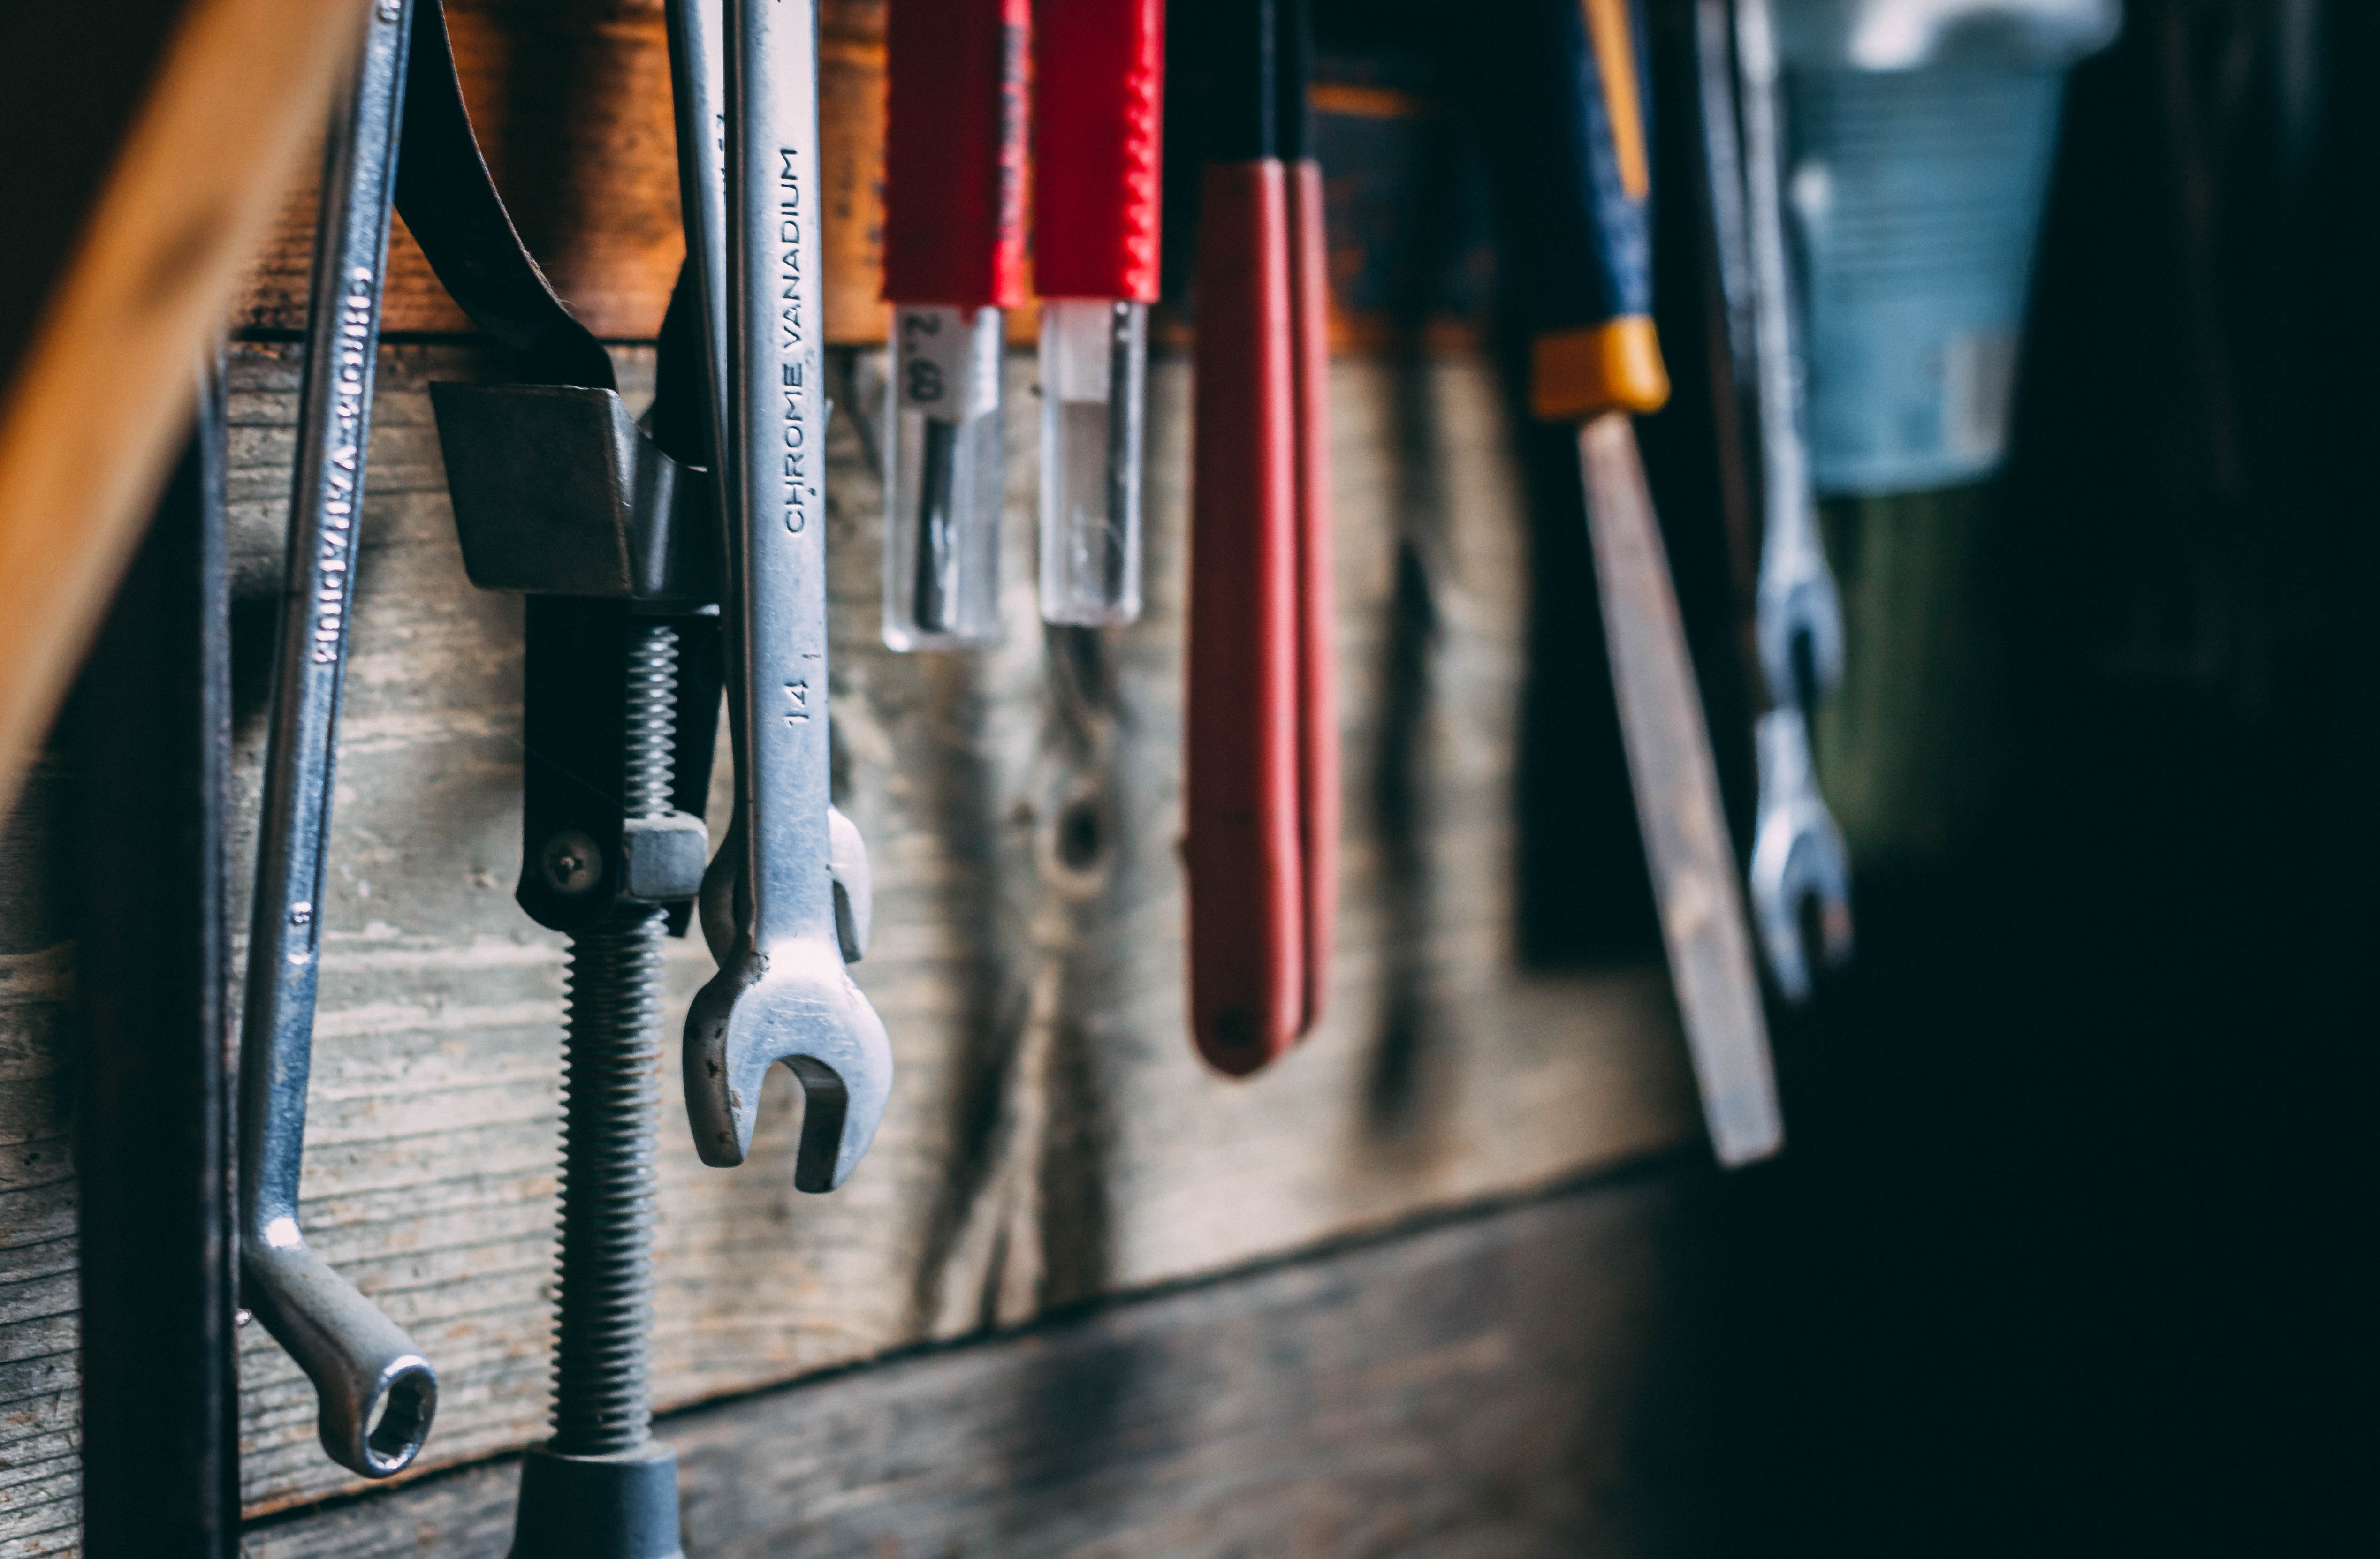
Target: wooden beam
1535,1380
96,404
152,738
572,107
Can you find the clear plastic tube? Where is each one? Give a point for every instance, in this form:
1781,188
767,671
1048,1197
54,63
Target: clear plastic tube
1094,373
942,478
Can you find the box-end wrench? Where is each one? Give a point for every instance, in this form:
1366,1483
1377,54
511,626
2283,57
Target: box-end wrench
375,1391
784,992
1798,853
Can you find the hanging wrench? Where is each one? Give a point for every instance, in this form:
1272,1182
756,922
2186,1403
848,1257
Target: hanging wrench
1801,625
375,1391
1797,853
784,992
698,70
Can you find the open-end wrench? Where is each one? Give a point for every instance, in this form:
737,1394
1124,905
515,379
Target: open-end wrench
784,992
1800,624
376,1393
1797,855
1798,852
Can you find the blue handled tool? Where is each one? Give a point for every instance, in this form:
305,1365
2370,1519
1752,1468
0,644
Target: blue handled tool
1561,88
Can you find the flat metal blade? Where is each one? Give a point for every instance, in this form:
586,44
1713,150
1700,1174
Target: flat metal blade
1676,784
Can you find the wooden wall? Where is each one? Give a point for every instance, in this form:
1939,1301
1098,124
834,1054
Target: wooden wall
1531,1382
1052,1139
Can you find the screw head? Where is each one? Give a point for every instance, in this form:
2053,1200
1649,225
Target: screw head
571,861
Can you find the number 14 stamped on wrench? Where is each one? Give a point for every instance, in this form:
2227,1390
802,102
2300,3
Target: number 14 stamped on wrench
783,992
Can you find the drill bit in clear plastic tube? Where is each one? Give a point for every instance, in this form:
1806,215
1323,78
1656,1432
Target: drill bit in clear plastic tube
1094,381
943,478
1098,116
953,266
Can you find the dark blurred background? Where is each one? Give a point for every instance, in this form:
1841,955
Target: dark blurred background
2062,1254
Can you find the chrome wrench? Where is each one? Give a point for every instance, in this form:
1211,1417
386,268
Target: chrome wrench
783,991
1797,855
697,67
1798,852
1799,614
376,1393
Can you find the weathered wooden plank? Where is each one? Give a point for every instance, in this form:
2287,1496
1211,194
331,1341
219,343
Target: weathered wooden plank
1052,1136
41,1474
572,107
1524,1384
164,130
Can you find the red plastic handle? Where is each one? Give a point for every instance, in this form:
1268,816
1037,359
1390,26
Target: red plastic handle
1317,710
954,152
1242,850
1099,121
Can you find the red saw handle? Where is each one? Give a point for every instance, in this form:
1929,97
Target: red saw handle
1248,928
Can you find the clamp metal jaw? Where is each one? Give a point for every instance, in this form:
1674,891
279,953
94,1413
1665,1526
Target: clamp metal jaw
561,497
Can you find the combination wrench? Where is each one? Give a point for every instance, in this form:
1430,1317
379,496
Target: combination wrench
376,1393
783,991
698,66
1798,853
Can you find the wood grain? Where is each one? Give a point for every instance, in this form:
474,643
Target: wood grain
1525,1385
1052,1136
571,103
93,413
41,1469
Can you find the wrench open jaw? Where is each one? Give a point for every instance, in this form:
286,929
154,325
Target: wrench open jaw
816,1022
790,1000
1798,615
788,896
1797,856
1797,852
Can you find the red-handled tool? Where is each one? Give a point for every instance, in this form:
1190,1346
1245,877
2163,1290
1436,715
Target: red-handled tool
1317,706
1262,741
954,262
1099,111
